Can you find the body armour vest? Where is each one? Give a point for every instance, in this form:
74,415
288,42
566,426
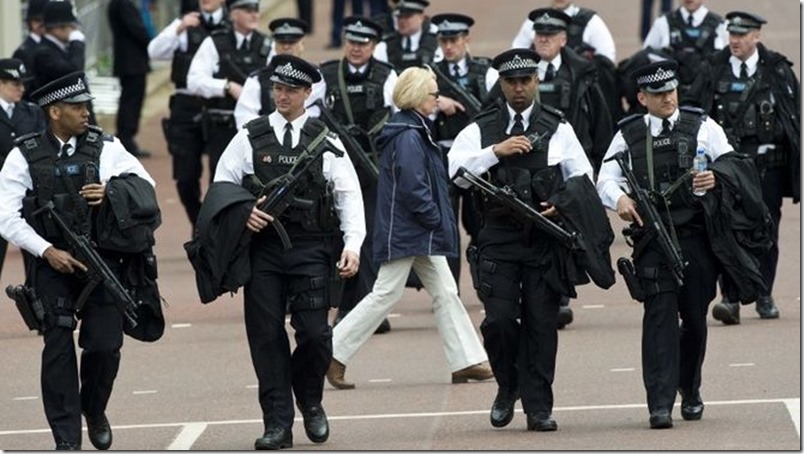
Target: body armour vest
745,110
59,178
423,55
473,81
365,92
528,175
272,160
557,93
575,33
235,64
182,59
672,157
691,45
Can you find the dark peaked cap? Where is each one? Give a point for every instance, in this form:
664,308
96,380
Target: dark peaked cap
452,24
288,29
36,9
411,6
361,29
516,63
13,69
232,4
742,23
657,77
59,12
293,71
72,88
549,20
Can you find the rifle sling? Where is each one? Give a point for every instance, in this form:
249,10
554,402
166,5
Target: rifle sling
313,145
649,156
347,105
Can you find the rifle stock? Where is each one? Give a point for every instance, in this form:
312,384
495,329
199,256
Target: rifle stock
356,152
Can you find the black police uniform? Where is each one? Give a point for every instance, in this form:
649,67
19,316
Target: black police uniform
691,45
25,51
398,54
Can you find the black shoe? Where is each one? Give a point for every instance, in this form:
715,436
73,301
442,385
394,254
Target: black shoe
64,446
275,438
502,410
541,422
692,406
661,419
99,431
384,327
727,312
316,425
766,308
564,316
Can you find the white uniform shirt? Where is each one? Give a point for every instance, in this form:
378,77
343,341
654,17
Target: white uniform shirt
659,35
750,64
611,183
596,34
381,49
15,181
237,162
249,103
563,149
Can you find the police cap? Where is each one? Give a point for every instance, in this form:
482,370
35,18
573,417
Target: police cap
452,24
13,69
657,77
288,29
516,63
741,23
248,4
361,29
72,88
548,21
36,10
59,12
408,7
293,71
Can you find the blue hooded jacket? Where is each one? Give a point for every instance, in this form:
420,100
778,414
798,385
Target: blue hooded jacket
413,216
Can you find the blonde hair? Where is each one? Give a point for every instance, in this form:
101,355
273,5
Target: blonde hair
413,87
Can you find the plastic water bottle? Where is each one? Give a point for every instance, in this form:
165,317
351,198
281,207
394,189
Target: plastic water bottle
699,165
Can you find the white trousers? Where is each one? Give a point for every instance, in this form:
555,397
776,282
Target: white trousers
461,343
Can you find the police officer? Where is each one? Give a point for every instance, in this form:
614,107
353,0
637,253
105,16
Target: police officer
296,279
672,354
463,79
414,42
18,117
62,51
179,42
519,330
58,165
287,34
689,35
753,94
34,18
359,92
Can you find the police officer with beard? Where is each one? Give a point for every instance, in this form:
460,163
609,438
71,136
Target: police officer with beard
519,329
294,279
69,165
359,92
753,94
184,133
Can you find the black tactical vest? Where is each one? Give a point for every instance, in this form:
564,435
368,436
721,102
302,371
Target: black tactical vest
745,110
691,46
236,64
672,157
557,93
423,55
272,160
59,178
365,92
182,59
575,33
474,82
528,175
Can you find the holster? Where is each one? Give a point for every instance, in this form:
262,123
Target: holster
626,269
166,133
28,305
474,270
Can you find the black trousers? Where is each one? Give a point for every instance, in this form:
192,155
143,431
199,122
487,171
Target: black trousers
673,355
522,353
66,391
132,96
772,184
282,281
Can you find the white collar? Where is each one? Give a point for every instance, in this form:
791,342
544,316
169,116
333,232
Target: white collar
655,122
73,141
750,63
56,41
697,16
4,105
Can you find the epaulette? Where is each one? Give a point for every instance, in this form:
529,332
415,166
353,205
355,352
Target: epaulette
694,110
554,111
482,60
485,113
220,31
629,119
30,140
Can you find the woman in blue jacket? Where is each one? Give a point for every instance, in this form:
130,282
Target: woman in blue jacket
413,228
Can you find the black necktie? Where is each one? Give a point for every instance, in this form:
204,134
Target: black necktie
244,44
65,150
408,44
209,22
456,71
689,20
550,73
519,128
665,126
287,141
743,71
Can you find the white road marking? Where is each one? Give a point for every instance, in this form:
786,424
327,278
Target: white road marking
794,408
394,315
380,380
187,436
742,365
593,306
252,386
147,391
26,398
181,325
623,369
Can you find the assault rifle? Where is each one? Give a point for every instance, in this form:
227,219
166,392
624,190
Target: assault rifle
472,104
98,272
507,197
356,152
651,220
280,192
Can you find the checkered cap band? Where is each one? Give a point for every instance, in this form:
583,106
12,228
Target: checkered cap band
288,72
63,93
548,20
517,63
661,75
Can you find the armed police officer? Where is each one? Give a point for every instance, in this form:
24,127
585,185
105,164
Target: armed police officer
34,19
752,92
413,42
68,165
359,93
660,147
515,259
295,279
184,132
287,34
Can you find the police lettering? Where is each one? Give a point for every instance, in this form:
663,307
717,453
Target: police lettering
287,160
661,142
